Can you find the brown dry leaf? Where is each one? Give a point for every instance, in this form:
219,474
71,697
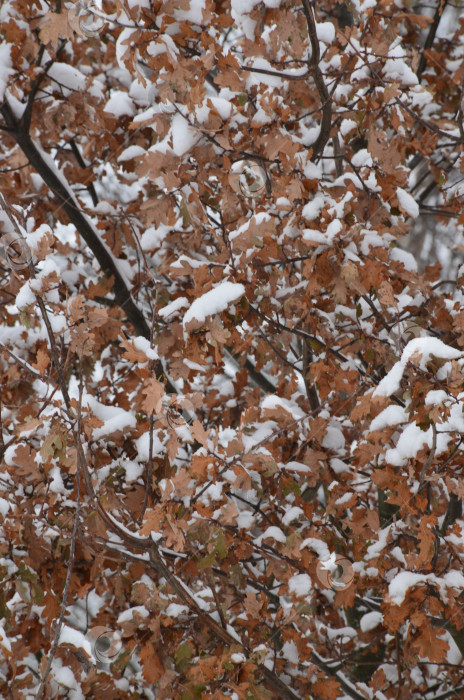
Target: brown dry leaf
52,607
386,295
70,462
55,26
152,521
29,424
76,308
205,669
172,445
24,461
243,480
349,272
154,395
199,433
97,317
327,689
132,353
181,482
165,684
43,360
152,663
252,605
229,73
82,341
391,91
384,150
229,514
44,246
430,643
174,537
421,20
199,466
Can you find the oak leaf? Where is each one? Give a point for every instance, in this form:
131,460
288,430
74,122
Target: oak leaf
154,395
55,26
43,360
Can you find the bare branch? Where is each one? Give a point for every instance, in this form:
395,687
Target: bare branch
313,67
441,4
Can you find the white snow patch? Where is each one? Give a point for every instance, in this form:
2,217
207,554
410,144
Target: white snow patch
370,621
410,442
131,152
143,344
333,438
213,302
194,14
175,610
407,202
76,638
128,615
56,485
271,401
297,467
399,585
183,136
408,260
325,32
272,532
312,209
115,418
396,69
425,347
362,158
290,652
69,78
173,306
292,514
120,104
347,125
6,67
317,546
4,641
300,584
392,415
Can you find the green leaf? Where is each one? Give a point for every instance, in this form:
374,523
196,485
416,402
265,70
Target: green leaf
221,547
37,593
23,590
194,693
183,655
206,561
24,573
184,212
5,612
270,468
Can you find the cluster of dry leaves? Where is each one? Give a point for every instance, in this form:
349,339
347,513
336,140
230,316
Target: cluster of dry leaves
179,478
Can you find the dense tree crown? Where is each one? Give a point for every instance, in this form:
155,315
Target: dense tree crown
231,417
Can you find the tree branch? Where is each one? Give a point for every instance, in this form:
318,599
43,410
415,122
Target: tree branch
313,67
80,221
84,227
431,36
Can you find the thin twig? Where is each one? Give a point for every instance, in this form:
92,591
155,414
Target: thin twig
64,603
